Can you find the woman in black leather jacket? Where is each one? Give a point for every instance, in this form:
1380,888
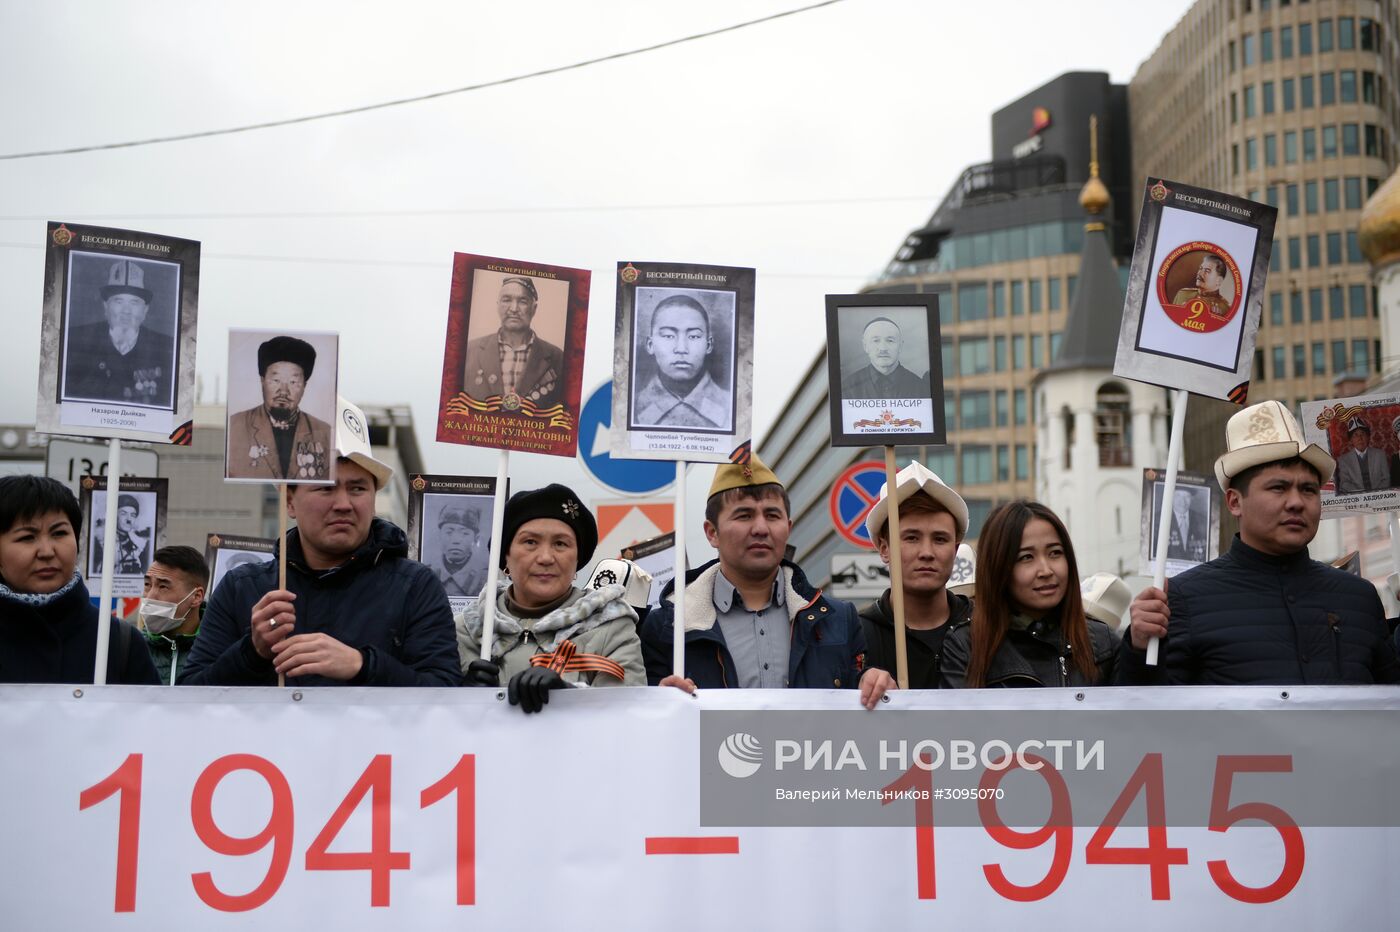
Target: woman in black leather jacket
1028,626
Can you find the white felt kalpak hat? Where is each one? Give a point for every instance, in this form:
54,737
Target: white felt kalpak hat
916,477
1106,597
352,442
963,579
1267,433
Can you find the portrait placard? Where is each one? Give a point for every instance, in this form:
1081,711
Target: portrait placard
449,530
141,504
884,369
224,552
282,407
1195,531
512,364
683,362
117,341
1195,290
656,555
1363,435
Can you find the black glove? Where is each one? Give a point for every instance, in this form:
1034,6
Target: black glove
530,688
483,673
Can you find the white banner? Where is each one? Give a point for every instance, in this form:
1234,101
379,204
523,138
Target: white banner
179,808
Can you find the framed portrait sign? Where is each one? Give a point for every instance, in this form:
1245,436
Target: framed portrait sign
683,362
117,341
1195,531
282,407
141,505
1195,290
512,363
885,369
449,530
224,552
1363,435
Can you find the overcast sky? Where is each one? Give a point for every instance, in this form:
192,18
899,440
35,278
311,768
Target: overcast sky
866,111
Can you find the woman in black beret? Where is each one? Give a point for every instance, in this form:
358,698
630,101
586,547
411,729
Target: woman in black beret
549,633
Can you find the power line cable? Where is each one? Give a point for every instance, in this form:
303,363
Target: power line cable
365,108
468,211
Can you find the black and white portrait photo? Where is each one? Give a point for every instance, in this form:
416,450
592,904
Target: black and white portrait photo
456,539
139,530
1195,522
136,529
227,559
117,334
887,365
885,378
281,404
120,327
225,552
683,360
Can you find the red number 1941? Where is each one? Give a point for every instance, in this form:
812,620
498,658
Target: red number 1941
375,783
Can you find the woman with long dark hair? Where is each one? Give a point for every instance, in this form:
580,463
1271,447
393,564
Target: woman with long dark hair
1028,626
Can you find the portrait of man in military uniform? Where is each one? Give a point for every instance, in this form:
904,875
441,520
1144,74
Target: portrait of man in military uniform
458,553
134,533
1212,275
675,353
120,357
884,375
277,439
515,362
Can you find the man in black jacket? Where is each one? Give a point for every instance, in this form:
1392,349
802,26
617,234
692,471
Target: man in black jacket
932,523
1264,613
356,610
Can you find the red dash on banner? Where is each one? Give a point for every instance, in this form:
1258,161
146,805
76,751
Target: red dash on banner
724,844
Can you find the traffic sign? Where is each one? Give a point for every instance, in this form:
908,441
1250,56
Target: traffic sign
70,460
627,477
858,575
853,494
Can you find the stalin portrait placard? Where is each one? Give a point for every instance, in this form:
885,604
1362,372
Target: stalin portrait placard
683,362
1195,290
117,341
512,365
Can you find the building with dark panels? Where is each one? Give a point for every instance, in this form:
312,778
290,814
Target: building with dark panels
1002,252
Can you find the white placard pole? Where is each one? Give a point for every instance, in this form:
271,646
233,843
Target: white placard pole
109,562
493,561
1164,527
678,633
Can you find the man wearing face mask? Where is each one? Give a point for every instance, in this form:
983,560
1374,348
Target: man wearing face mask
171,605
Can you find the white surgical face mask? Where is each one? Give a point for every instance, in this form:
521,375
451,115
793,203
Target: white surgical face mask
158,617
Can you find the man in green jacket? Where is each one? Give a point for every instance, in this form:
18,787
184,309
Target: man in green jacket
171,605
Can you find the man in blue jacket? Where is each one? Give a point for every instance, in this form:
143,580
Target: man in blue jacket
356,610
1264,613
751,618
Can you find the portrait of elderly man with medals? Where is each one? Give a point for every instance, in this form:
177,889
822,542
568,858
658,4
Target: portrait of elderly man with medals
119,358
515,362
277,440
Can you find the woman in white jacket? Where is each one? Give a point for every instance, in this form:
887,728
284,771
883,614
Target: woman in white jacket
548,633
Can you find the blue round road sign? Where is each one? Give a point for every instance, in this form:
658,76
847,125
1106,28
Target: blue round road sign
629,477
853,494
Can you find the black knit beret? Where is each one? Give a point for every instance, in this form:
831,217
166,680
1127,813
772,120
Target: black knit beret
553,501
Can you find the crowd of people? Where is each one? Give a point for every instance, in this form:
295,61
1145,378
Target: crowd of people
356,610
